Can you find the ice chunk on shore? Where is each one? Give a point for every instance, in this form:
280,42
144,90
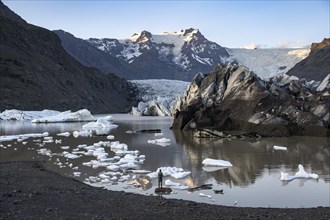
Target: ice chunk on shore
300,174
280,148
22,136
214,162
67,116
19,115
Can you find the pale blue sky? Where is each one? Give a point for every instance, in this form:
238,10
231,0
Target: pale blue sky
229,23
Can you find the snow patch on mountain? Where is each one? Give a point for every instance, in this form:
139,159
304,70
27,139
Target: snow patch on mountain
268,63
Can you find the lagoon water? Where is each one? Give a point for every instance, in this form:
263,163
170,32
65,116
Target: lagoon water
253,181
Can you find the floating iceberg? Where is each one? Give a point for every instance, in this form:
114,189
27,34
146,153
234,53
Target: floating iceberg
300,174
67,116
101,123
19,115
213,162
280,148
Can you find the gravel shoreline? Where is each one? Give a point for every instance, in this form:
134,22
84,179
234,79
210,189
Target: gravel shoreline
29,191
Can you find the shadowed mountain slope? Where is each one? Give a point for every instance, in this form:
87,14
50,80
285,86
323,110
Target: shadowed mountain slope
37,73
317,65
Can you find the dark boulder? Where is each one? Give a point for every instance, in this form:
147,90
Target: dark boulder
232,99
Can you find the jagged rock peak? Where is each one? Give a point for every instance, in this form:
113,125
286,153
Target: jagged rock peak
323,44
190,31
141,37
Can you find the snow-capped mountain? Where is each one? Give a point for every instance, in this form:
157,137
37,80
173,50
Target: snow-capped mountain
175,55
183,53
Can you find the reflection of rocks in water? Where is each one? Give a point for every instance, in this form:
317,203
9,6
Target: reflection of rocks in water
143,181
163,190
251,157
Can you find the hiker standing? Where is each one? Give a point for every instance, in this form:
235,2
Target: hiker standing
160,179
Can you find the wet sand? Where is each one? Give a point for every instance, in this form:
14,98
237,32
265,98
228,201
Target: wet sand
29,191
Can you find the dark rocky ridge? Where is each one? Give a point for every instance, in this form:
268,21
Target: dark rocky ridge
317,65
233,100
37,73
90,56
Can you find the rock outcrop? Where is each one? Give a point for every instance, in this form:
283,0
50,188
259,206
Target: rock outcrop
316,66
232,100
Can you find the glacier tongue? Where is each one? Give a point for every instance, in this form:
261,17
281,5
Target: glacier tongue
267,63
158,96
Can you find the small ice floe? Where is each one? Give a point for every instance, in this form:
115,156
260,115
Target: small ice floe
300,174
58,141
67,116
76,174
204,195
214,162
44,151
123,152
23,136
64,134
110,137
117,145
86,133
70,155
162,142
280,148
113,167
159,134
48,140
65,147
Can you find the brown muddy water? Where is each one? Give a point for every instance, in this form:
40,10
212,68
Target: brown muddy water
252,181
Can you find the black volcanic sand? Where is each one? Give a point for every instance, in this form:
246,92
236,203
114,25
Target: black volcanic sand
28,191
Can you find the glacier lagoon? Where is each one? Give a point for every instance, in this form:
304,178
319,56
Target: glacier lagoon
252,181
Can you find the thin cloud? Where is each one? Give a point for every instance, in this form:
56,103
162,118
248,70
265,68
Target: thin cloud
290,43
252,46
